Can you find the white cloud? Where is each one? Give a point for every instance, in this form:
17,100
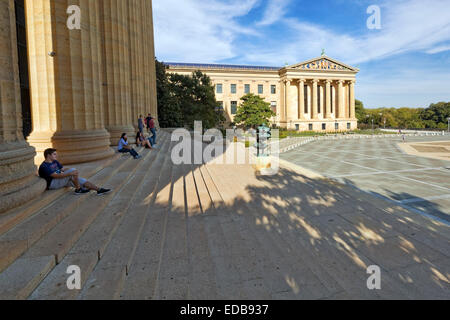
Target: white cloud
407,26
275,11
198,31
439,49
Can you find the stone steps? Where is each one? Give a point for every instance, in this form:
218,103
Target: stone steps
222,232
143,278
56,242
48,235
347,239
202,263
106,280
173,266
276,256
10,219
24,235
244,248
91,246
217,224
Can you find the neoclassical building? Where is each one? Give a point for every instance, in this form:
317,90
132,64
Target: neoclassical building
75,90
315,95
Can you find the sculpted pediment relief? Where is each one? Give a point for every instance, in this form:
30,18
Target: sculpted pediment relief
322,64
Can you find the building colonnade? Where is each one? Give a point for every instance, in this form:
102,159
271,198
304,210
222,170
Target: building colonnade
317,99
87,86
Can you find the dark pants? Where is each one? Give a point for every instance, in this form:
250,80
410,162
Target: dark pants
131,151
153,138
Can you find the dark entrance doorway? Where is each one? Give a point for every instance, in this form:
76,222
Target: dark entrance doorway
23,66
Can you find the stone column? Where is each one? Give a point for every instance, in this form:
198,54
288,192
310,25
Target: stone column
301,98
314,106
152,103
286,104
352,100
136,70
341,102
116,69
18,180
327,99
66,99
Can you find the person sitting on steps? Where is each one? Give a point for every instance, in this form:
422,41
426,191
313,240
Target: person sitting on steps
125,148
58,177
142,142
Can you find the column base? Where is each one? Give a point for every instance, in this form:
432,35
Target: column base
18,175
117,131
73,146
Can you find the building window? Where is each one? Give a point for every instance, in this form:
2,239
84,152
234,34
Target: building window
310,126
219,88
297,127
349,126
233,88
273,89
260,89
273,105
233,107
324,126
247,88
336,126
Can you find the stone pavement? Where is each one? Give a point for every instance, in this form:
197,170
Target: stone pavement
222,232
380,167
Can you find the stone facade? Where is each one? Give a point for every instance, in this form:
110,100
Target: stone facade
315,95
87,86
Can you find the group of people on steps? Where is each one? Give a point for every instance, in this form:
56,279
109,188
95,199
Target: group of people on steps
57,176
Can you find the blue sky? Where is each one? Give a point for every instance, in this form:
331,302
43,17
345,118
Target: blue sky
404,64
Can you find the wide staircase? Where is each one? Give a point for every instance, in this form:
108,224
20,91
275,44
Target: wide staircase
217,232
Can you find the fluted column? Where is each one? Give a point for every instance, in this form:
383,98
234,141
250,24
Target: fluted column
327,99
152,102
301,99
352,100
314,107
67,99
136,70
341,102
287,104
116,70
18,180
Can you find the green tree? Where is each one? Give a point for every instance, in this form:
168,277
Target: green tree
194,96
169,112
253,111
436,115
360,111
183,99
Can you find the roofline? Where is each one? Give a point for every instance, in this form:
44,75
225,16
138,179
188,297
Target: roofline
213,66
322,57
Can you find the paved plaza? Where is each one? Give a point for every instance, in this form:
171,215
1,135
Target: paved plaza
381,168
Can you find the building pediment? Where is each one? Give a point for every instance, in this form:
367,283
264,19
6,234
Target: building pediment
323,63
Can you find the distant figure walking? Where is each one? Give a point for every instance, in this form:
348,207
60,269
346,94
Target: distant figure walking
125,148
404,138
141,124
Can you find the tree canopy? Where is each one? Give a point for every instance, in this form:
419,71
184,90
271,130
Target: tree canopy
253,111
184,99
433,117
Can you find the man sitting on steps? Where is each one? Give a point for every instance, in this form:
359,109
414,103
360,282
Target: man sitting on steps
58,177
